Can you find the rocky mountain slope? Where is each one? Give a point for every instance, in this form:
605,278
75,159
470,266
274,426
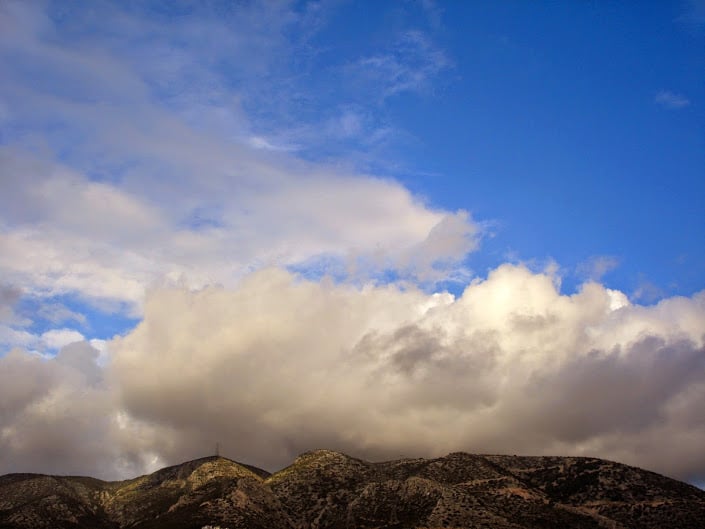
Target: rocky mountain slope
324,489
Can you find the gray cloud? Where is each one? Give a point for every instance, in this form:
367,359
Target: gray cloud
53,418
616,391
9,296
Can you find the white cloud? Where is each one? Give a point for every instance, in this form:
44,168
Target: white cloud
349,124
152,188
59,313
43,344
597,266
647,292
12,337
512,365
278,365
106,243
58,338
258,142
440,254
671,100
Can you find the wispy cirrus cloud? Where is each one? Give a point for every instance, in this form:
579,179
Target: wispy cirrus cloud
411,64
433,11
671,100
693,13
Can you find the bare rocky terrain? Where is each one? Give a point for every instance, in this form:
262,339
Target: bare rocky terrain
324,489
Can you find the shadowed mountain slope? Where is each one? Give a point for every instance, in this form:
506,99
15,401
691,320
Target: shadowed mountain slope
324,489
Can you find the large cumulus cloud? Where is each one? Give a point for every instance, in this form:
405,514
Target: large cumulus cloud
279,365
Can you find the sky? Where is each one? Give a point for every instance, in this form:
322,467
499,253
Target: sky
386,228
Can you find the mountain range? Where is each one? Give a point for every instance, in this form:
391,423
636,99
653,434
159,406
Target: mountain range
329,490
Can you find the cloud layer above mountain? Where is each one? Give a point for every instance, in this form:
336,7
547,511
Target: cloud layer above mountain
279,365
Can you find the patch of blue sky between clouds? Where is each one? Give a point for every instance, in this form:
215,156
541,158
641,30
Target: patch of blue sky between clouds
46,324
72,312
203,218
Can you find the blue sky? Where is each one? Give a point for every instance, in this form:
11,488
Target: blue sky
571,133
576,129
550,154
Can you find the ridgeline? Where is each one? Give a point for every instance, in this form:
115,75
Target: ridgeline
329,490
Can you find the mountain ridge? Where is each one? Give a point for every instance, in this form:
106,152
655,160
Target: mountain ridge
323,489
